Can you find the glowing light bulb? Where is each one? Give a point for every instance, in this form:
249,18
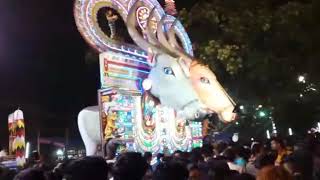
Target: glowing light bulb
147,84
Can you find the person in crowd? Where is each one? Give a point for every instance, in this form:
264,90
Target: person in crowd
3,153
242,156
148,157
196,156
6,174
243,176
31,174
230,157
111,147
130,166
299,164
219,147
171,170
273,173
278,145
86,168
316,161
159,160
218,170
207,152
195,173
265,159
177,154
256,150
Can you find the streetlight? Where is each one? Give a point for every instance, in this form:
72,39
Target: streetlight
262,114
235,137
27,150
301,79
241,107
268,134
290,132
59,152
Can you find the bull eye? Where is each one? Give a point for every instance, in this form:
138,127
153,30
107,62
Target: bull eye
205,80
168,71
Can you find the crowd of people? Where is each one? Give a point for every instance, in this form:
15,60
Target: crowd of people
214,161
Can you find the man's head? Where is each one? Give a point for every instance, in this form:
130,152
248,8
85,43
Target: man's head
130,166
194,173
277,144
87,168
31,174
148,157
171,170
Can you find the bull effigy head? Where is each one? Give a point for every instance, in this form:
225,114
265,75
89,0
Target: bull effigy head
204,81
210,91
169,78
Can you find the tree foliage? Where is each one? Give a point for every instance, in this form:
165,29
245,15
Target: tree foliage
262,46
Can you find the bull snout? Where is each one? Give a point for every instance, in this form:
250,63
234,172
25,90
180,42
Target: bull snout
228,115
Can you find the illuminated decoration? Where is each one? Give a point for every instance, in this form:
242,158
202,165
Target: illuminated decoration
18,143
112,18
147,84
170,7
196,133
85,13
143,14
140,101
12,132
123,71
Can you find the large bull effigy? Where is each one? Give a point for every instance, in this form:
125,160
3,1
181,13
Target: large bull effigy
151,91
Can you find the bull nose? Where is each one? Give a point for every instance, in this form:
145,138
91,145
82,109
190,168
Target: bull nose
200,114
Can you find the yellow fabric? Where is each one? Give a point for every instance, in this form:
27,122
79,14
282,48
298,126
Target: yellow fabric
281,156
20,123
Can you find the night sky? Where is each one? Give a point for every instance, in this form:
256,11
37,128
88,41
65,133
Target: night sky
42,66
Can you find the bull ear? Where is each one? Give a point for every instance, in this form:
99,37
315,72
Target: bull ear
185,65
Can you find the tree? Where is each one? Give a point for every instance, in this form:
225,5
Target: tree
259,47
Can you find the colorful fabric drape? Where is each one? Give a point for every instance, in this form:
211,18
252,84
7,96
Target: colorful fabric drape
18,144
12,129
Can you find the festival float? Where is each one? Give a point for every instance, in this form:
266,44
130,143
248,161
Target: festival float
152,90
16,154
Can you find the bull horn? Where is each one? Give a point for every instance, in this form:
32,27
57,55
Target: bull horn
175,45
172,36
135,35
149,31
161,35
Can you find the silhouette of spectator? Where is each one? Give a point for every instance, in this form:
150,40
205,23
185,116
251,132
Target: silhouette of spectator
31,174
171,170
130,166
299,164
148,157
278,145
273,173
195,173
231,157
87,168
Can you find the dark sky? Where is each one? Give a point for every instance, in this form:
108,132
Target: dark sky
42,66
